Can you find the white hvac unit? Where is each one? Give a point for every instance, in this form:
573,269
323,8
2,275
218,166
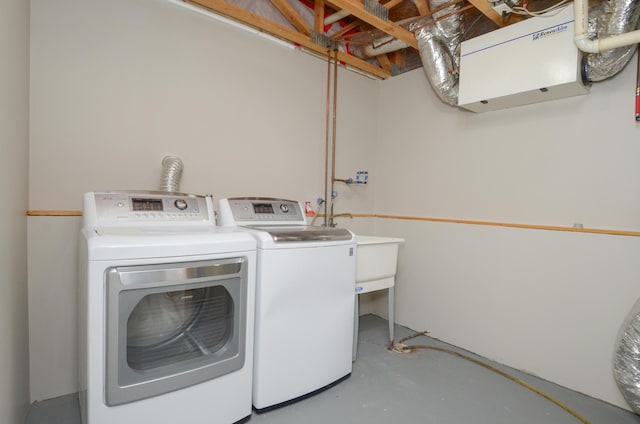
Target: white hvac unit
532,61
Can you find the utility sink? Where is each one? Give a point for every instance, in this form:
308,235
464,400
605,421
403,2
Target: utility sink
376,262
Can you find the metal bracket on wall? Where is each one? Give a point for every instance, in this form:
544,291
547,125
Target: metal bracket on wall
376,9
323,40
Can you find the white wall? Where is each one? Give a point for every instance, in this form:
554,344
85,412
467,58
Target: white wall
120,84
555,163
14,137
53,357
117,85
547,302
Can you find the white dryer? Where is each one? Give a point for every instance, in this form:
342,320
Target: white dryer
305,293
166,311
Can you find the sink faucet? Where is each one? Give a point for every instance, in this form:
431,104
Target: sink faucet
338,215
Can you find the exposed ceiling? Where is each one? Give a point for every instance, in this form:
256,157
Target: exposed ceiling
307,23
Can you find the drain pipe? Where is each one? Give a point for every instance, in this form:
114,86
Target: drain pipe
582,41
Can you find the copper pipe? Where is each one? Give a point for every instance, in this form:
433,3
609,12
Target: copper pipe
326,142
638,88
333,138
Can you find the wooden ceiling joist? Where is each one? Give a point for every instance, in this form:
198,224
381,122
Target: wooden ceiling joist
384,61
361,17
422,6
393,3
343,31
292,16
223,8
318,16
356,8
485,7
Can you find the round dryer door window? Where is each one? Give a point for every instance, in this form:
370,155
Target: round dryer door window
176,326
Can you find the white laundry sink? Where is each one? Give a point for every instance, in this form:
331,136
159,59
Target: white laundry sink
376,262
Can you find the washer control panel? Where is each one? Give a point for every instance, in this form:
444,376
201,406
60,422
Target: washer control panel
122,207
260,211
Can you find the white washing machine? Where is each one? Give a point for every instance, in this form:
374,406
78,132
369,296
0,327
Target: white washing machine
166,311
305,293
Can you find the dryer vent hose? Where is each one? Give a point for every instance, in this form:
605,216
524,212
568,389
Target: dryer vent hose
171,173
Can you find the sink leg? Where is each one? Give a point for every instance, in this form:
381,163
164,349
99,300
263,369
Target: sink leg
356,325
390,313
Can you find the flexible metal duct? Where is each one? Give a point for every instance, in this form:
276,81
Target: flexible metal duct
439,47
610,19
171,174
626,360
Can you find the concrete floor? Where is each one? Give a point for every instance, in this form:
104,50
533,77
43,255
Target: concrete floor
426,387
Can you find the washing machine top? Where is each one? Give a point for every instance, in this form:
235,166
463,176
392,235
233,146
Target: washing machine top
301,234
260,211
277,222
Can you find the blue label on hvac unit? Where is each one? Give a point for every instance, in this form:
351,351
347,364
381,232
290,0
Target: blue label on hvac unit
550,31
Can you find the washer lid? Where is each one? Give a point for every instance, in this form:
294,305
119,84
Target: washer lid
297,233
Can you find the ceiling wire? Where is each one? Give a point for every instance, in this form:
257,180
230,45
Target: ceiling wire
518,10
470,27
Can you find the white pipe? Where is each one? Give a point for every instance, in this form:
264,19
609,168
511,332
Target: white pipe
582,41
336,16
626,39
391,46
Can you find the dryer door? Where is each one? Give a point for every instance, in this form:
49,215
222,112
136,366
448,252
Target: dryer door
173,325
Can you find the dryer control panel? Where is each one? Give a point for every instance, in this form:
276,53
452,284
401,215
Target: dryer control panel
146,208
260,211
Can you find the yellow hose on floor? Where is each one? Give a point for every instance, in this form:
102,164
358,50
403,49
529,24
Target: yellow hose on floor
400,347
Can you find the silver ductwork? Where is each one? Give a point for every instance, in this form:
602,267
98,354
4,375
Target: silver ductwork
439,44
171,173
626,359
609,19
439,47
